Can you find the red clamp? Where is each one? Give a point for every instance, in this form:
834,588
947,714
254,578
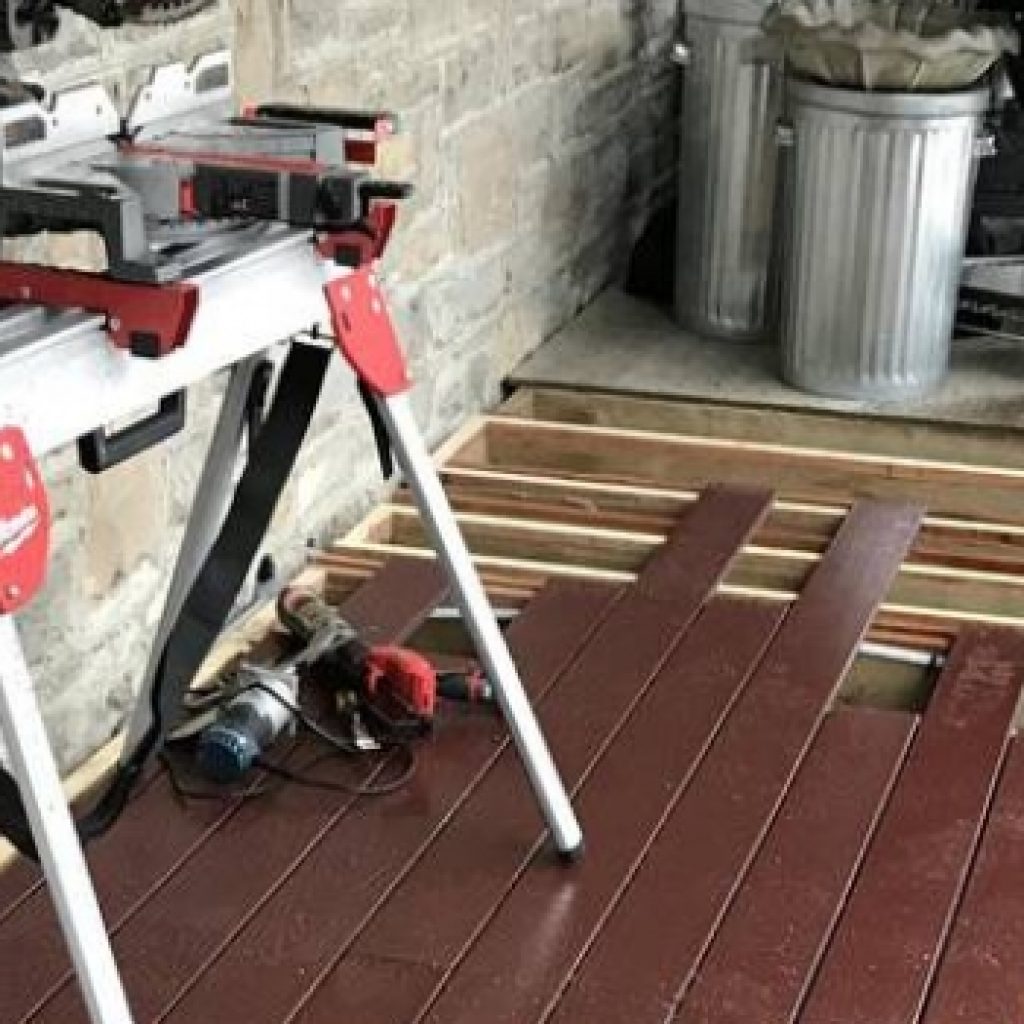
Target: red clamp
24,523
366,333
144,319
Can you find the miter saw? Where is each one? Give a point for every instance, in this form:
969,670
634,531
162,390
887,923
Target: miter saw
173,184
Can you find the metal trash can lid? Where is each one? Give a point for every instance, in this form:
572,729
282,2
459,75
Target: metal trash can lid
922,105
744,12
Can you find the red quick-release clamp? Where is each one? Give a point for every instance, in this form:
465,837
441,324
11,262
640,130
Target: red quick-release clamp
24,523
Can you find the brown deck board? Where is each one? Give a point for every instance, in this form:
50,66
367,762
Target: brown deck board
432,915
154,837
981,978
22,879
352,869
151,933
695,865
552,915
765,954
883,956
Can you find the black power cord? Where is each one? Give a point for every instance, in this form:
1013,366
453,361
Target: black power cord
398,754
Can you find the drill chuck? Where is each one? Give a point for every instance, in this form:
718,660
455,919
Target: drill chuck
247,727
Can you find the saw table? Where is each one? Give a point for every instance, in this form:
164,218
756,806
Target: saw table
224,238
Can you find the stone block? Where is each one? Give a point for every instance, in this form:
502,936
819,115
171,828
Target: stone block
484,154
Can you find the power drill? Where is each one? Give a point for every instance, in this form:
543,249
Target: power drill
398,687
249,724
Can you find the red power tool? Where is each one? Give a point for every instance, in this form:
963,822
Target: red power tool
398,686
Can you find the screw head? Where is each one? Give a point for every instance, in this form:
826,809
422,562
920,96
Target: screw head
13,591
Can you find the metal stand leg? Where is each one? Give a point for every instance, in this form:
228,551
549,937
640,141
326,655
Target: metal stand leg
59,849
212,497
477,614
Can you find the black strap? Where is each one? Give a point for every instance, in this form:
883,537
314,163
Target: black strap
271,460
381,436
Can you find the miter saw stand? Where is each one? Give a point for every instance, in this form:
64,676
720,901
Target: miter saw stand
207,222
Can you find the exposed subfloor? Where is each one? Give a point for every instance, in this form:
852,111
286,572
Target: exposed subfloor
756,853
629,346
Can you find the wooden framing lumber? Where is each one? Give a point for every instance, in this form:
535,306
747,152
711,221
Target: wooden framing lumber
572,451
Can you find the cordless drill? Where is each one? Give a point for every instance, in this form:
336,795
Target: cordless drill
397,686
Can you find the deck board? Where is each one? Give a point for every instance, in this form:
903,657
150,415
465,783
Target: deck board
698,860
770,944
153,938
981,978
883,956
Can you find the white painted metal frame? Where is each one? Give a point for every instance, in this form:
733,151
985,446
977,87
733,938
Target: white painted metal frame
59,850
60,378
477,614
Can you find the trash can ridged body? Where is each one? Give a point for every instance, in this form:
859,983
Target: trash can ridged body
877,198
728,160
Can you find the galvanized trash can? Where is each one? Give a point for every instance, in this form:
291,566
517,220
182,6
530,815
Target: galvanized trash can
878,189
732,92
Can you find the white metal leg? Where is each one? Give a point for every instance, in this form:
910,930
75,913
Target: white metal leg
59,849
212,497
476,611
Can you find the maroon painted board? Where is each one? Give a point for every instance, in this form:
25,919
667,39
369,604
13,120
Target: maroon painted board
395,601
981,977
777,929
698,861
552,915
21,880
432,916
883,956
353,867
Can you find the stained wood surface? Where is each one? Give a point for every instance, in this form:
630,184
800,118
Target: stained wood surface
981,978
883,957
751,847
765,955
701,855
163,856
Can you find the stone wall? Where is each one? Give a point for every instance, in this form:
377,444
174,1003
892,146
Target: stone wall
538,133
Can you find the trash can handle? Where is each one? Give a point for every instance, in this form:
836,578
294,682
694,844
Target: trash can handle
682,54
985,146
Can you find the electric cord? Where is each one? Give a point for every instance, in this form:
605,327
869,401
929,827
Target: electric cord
208,699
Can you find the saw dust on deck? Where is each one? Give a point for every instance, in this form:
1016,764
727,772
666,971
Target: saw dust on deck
758,851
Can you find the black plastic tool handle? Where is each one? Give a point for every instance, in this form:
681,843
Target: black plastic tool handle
100,451
350,120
